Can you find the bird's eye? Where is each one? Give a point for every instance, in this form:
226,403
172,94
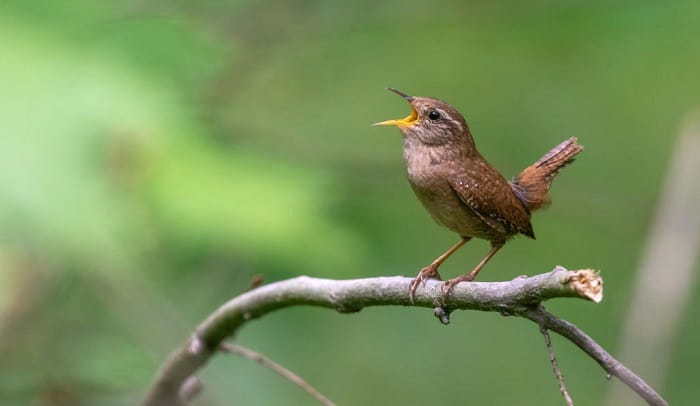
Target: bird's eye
434,115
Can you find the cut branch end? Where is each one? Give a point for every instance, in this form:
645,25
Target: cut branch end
588,284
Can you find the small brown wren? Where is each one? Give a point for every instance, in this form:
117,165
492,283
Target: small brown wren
461,190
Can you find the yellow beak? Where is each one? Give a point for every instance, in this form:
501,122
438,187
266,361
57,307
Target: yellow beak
402,122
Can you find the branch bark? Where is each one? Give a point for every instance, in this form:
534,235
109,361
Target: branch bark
521,296
594,350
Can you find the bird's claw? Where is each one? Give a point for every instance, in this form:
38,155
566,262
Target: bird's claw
412,288
451,283
429,272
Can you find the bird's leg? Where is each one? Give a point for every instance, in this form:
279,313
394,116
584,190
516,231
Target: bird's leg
431,271
449,284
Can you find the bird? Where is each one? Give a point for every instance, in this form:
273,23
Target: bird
462,191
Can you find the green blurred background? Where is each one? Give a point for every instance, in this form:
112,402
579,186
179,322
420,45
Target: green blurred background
156,155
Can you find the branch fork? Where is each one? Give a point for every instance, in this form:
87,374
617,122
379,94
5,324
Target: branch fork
521,296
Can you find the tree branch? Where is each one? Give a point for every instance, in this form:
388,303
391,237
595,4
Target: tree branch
589,346
521,297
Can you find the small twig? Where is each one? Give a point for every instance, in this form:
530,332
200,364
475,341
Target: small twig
267,362
555,367
594,350
255,281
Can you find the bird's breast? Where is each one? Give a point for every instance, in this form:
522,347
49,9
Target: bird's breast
428,174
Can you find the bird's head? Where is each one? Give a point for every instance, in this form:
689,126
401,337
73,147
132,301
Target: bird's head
431,122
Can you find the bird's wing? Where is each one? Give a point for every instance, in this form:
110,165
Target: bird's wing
490,196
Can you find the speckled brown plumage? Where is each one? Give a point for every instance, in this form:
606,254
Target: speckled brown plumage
461,190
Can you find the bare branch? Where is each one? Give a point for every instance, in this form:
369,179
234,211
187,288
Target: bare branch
264,361
521,296
555,367
190,389
589,346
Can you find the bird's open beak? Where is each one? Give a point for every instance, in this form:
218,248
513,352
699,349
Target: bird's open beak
402,122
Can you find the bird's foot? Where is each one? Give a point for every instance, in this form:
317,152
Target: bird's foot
451,283
429,272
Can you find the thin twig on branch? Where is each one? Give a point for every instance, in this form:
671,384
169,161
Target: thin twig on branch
595,351
555,367
289,375
521,296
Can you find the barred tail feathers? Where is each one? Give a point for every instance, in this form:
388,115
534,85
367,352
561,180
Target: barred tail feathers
533,183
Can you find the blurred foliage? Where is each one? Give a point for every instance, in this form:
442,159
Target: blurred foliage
155,156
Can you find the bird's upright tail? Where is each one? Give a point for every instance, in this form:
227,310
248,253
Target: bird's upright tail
532,184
